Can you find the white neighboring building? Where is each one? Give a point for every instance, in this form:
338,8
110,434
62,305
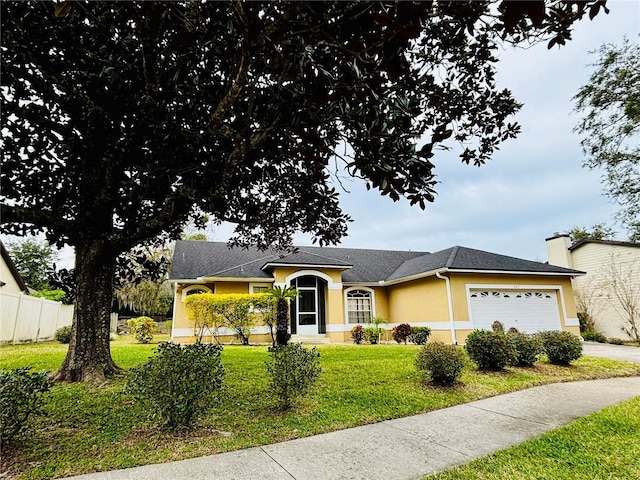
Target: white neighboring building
610,290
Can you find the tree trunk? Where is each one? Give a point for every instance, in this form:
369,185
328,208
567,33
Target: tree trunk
89,356
282,321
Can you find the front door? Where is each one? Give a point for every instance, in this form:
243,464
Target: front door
307,310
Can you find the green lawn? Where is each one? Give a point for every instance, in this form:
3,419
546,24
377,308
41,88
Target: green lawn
88,429
604,445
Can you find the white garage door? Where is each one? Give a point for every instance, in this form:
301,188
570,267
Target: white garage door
528,310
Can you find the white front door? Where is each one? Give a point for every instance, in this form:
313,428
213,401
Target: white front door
307,310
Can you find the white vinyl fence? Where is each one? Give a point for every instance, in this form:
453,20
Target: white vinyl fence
31,319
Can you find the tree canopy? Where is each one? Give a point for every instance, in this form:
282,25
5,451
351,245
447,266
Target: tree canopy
599,231
34,261
123,119
610,108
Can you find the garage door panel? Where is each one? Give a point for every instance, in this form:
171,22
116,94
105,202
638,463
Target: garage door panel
528,311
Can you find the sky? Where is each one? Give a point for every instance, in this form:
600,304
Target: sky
533,187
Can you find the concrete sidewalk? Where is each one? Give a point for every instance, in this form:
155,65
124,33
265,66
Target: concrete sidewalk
406,448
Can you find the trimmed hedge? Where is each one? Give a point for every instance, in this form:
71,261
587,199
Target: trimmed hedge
441,363
490,350
177,385
561,348
420,335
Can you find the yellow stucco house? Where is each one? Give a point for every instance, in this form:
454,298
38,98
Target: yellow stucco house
453,291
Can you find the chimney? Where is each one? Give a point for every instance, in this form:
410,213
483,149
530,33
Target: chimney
558,250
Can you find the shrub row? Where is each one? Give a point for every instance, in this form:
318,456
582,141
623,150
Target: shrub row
179,384
496,350
402,333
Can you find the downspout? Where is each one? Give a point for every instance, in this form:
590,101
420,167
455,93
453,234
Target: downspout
450,305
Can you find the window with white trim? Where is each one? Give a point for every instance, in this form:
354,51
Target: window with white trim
191,289
259,287
359,306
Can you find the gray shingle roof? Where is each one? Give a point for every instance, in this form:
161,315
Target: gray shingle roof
215,259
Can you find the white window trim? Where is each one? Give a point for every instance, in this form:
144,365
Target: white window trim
185,291
371,291
331,285
251,285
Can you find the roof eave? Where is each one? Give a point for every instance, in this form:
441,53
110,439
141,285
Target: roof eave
517,272
304,265
221,279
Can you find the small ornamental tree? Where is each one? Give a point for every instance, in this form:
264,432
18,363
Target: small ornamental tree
237,311
282,295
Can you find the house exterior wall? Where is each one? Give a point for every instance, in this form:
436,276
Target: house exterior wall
7,277
421,302
605,264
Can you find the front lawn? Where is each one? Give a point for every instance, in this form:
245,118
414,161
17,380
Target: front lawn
604,445
88,429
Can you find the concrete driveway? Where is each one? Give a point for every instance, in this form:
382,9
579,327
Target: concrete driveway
614,352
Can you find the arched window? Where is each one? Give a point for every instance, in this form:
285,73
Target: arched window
191,289
359,306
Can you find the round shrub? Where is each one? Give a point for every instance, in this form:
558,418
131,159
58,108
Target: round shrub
490,350
561,348
22,394
293,370
420,335
615,341
142,328
357,334
372,335
401,332
593,336
177,384
63,334
527,347
441,363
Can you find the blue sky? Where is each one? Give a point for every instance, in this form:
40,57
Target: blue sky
534,186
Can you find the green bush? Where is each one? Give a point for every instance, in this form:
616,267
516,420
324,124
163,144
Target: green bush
561,348
63,334
401,333
142,328
21,395
372,334
357,334
528,347
441,363
490,350
615,341
497,326
293,370
593,336
420,335
177,384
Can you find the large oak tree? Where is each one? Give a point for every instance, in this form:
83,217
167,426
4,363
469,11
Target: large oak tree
120,120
